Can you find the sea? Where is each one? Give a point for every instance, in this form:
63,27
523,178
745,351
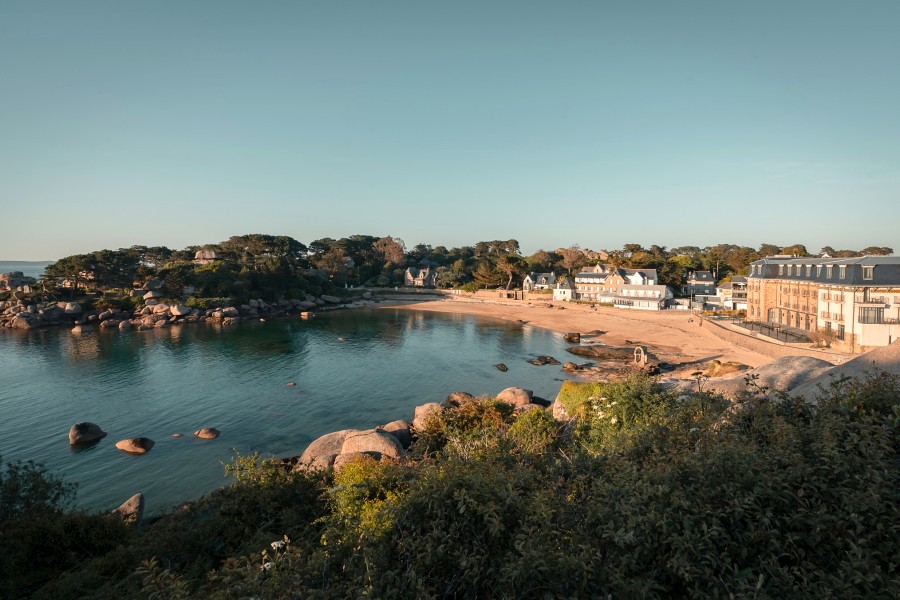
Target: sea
350,369
30,268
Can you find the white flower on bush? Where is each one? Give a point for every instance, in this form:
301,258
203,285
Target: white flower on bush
268,566
278,545
614,420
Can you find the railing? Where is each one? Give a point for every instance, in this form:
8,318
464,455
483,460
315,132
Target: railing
864,299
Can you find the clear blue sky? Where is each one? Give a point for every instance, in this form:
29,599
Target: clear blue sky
597,123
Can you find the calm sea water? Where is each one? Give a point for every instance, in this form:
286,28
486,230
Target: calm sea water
28,268
177,380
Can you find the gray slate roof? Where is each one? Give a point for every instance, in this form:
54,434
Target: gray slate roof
885,272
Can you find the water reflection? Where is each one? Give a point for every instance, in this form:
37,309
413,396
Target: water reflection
157,382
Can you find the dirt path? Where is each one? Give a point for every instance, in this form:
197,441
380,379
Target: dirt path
669,335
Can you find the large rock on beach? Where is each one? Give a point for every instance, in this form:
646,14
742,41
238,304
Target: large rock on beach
139,445
152,295
372,441
602,352
72,308
132,510
85,433
515,396
207,433
400,430
330,299
321,452
423,412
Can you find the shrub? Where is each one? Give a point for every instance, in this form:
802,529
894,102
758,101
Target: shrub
207,303
465,429
534,432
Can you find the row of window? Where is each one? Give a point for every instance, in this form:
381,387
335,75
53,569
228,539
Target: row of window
868,272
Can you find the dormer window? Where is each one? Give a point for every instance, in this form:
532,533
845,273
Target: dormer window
808,270
790,270
868,273
842,272
828,269
781,269
818,270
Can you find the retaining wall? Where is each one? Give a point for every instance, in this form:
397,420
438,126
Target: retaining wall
769,347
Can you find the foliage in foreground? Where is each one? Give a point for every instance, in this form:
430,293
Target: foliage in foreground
649,494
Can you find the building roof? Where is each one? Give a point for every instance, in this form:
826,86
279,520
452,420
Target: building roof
702,276
565,283
885,270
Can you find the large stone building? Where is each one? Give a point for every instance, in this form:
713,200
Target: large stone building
857,300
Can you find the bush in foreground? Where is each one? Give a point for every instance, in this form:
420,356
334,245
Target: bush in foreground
684,496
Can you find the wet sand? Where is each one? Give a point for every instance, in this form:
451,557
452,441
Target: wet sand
669,335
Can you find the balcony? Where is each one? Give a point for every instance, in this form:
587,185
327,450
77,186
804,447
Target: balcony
872,300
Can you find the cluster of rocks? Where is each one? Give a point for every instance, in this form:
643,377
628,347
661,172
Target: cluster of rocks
156,312
24,314
391,441
16,280
86,434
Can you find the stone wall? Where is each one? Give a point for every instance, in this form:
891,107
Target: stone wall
769,347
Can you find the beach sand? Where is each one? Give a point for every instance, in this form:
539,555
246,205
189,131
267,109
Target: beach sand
668,335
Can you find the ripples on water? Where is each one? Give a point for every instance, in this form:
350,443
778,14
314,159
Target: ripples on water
353,369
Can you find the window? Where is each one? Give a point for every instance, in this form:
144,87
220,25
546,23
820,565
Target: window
842,272
828,271
781,269
840,333
871,315
818,270
808,270
868,273
790,269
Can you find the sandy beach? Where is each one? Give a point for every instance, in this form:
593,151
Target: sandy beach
669,335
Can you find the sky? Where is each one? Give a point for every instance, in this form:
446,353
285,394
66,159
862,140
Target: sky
554,123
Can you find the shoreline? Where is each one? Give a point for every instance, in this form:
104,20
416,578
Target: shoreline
668,335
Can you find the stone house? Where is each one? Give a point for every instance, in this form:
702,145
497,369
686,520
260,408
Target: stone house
539,281
699,283
424,275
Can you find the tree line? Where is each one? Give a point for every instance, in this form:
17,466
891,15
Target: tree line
269,265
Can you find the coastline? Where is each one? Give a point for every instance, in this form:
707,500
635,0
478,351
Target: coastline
669,335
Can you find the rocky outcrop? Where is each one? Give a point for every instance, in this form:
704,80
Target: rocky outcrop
602,352
320,454
501,367
540,361
400,430
207,433
139,445
423,413
457,398
515,396
14,280
333,450
85,433
132,510
372,441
